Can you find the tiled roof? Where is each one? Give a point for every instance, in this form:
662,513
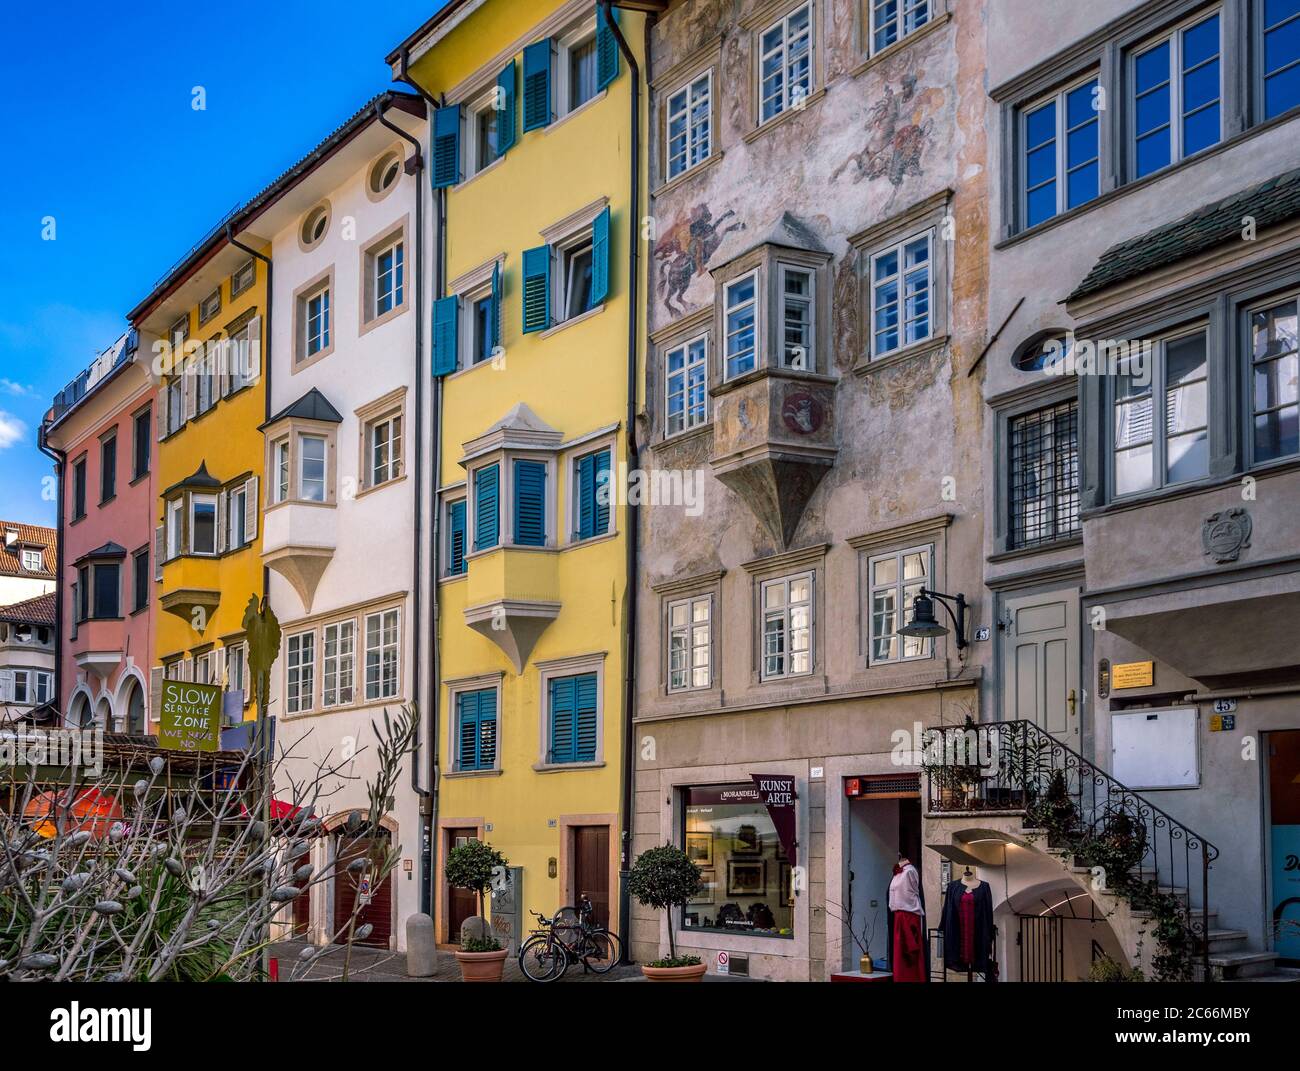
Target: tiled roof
11,557
37,611
1270,202
311,406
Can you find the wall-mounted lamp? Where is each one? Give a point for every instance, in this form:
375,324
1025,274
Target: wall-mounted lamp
924,625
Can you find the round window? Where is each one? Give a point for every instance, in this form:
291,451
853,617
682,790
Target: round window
1043,352
315,225
385,173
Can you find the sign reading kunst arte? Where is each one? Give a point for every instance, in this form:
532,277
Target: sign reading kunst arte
191,716
777,794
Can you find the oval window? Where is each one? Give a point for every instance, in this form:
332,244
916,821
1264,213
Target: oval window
315,225
385,173
1043,352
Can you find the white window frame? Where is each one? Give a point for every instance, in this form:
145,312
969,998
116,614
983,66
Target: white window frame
810,302
582,34
300,473
755,278
563,253
175,525
282,460
1061,134
786,99
33,560
237,285
236,519
691,97
322,337
205,667
239,363
385,645
467,351
179,331
176,402
1249,374
902,605
192,500
206,313
392,469
902,10
689,364
688,634
485,102
396,293
237,669
342,664
899,248
300,667
783,613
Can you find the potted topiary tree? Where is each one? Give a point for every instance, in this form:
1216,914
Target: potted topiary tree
472,866
664,878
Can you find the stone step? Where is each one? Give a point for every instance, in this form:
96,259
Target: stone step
1229,965
1221,941
1279,974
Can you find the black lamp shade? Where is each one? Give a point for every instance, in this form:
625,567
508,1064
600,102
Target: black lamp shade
923,624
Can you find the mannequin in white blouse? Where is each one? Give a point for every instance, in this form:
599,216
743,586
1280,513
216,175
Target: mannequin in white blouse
905,888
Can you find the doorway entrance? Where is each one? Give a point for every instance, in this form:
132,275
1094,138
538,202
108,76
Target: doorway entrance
884,821
589,875
462,904
363,884
1040,662
1284,843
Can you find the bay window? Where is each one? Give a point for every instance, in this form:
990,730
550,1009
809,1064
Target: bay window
741,310
203,524
1273,376
311,468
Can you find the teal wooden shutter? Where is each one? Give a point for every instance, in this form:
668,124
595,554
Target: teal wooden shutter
585,486
600,257
561,719
487,729
507,118
537,289
446,320
537,85
530,503
494,325
446,147
584,718
456,538
486,512
602,493
467,731
607,56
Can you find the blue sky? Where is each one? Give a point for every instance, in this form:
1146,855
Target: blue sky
95,103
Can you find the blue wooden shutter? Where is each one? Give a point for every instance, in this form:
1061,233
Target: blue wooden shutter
600,257
494,325
537,288
486,513
585,481
601,493
584,718
446,147
530,503
456,538
487,729
561,717
467,731
446,320
607,55
507,119
537,85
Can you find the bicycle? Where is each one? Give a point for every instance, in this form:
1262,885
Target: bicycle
569,937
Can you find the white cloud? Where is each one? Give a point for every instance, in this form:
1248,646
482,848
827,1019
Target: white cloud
12,430
8,386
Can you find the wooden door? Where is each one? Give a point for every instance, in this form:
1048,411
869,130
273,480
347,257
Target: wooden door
378,906
590,877
1040,663
462,904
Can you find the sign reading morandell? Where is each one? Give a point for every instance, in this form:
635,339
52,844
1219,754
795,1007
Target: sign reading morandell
190,716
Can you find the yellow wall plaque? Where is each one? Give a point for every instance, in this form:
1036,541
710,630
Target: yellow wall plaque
1133,675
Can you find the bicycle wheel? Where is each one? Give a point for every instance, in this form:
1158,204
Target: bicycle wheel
602,951
542,960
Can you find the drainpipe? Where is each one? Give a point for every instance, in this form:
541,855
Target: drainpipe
417,539
59,457
428,896
633,515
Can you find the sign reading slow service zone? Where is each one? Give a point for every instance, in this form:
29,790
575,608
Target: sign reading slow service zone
191,716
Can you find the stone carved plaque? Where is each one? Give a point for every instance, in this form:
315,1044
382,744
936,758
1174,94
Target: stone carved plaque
1226,534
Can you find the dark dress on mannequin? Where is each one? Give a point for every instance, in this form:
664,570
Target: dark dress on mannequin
967,927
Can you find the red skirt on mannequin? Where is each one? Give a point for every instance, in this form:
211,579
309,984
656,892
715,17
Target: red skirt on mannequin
909,951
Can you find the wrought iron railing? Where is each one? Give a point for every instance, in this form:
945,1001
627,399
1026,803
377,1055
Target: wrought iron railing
1145,853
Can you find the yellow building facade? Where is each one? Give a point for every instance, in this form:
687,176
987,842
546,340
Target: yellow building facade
531,149
204,325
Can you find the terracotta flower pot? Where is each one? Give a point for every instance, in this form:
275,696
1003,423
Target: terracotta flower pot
675,974
481,966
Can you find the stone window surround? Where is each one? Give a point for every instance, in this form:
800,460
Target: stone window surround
455,687
670,337
183,496
469,287
933,213
392,404
398,231
448,496
572,230
569,667
753,26
215,292
1223,301
705,60
292,429
307,247
322,280
235,291
940,13
571,452
810,560
1106,53
677,590
504,460
375,196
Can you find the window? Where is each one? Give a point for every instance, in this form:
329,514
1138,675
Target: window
107,576
140,579
741,298
690,125
314,226
482,311
686,385
280,455
172,670
580,67
32,687
338,663
690,644
1042,352
592,495
33,560
1043,487
1274,372
1061,168
243,277
787,626
205,667
244,355
748,881
900,295
81,598
895,580
487,511
206,386
1176,96
210,306
476,729
797,318
107,468
300,672
237,506
79,488
785,75
572,718
203,524
179,331
381,655
388,279
892,20
175,403
1168,377
175,527
311,468
383,445
575,278
456,537
1279,49
236,669
530,503
317,325
142,425
385,173
484,144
